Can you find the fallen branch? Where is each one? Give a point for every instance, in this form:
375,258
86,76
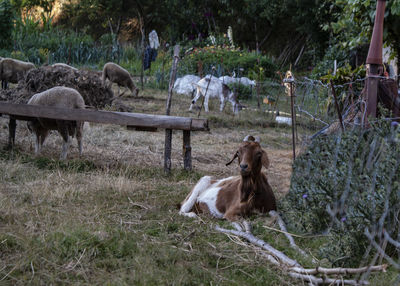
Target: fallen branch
261,243
331,281
339,270
282,225
294,269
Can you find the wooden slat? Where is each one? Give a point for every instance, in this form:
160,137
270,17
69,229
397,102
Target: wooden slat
107,117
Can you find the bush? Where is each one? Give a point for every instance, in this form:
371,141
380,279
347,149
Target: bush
226,60
342,185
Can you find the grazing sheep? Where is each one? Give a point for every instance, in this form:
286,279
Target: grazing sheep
184,85
63,97
234,197
64,66
12,70
115,73
215,89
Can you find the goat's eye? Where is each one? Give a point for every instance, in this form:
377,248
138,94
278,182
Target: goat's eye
258,154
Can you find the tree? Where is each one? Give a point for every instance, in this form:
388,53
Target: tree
6,23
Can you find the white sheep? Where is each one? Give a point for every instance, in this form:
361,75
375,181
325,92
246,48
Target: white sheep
63,97
12,70
62,65
119,75
184,85
215,88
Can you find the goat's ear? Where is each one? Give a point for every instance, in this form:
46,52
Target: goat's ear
234,157
264,160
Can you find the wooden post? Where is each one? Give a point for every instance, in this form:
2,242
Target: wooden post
168,132
187,151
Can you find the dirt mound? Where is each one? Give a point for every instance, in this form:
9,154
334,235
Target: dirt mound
87,82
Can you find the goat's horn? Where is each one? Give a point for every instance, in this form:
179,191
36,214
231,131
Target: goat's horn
257,139
248,138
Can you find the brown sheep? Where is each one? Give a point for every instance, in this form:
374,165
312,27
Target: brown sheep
119,75
12,70
237,196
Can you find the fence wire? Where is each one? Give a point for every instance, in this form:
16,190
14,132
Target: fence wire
347,186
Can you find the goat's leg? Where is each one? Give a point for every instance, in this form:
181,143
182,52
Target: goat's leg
198,94
206,102
235,106
190,200
222,104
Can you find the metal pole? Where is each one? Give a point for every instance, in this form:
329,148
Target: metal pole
374,58
293,119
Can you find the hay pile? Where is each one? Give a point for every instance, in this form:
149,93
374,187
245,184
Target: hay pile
87,82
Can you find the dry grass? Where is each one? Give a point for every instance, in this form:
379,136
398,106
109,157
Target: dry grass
111,218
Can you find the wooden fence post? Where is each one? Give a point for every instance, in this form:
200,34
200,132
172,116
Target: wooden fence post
187,151
168,132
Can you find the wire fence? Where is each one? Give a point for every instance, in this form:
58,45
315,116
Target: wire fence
346,185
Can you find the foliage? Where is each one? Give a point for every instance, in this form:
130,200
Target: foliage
6,23
228,60
351,28
342,185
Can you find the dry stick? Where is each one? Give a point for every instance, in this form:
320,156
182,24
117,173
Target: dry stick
282,225
259,242
315,280
339,270
337,106
202,103
391,240
379,249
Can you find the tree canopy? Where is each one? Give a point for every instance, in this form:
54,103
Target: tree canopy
292,31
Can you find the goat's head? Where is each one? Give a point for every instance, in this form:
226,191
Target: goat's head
251,157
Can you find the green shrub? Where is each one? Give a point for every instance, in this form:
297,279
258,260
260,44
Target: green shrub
226,60
342,185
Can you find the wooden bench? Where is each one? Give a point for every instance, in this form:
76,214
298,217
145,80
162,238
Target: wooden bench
133,121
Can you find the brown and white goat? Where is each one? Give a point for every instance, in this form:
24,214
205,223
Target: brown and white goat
236,196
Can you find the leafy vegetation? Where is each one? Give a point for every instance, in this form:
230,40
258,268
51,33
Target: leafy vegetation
342,185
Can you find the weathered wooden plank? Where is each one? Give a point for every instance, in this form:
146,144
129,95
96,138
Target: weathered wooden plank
107,117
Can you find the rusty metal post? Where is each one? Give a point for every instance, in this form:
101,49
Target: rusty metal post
374,59
337,106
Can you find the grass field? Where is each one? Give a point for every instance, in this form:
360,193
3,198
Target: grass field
110,217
